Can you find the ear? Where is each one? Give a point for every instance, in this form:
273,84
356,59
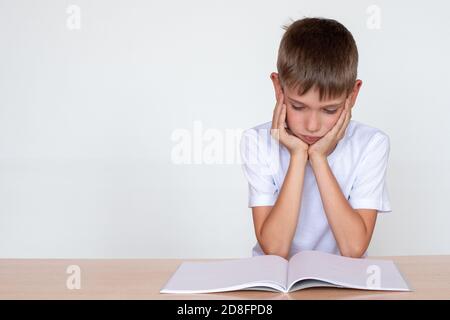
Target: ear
354,94
276,84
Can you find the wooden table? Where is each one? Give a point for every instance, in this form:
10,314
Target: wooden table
429,276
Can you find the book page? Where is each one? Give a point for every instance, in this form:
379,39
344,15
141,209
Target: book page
347,272
228,275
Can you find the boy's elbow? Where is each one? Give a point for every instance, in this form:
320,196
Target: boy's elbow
268,250
353,251
273,247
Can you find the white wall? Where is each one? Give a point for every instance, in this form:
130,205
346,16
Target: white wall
87,115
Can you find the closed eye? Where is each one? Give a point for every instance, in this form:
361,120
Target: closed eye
328,111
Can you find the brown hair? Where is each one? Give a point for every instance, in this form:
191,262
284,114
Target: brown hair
318,53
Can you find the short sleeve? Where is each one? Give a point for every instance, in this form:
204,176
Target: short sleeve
262,190
369,190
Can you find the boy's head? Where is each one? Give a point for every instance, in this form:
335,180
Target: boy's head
317,69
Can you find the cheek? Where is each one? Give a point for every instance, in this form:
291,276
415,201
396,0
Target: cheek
335,118
330,122
293,118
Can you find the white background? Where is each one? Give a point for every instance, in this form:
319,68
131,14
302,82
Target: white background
86,119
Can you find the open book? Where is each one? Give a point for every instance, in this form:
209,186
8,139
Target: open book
273,273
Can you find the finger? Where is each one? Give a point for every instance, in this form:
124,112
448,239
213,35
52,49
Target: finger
282,118
275,131
348,116
341,132
276,85
282,122
274,115
337,127
345,112
276,111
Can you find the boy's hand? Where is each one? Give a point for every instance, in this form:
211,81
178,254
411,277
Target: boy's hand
282,133
325,145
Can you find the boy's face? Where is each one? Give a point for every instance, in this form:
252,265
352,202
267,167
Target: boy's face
308,117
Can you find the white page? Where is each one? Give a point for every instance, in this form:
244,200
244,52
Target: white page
343,271
228,275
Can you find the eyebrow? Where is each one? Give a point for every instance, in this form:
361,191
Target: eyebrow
327,106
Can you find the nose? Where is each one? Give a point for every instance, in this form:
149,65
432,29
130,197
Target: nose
313,125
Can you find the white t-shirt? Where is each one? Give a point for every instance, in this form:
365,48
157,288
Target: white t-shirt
359,164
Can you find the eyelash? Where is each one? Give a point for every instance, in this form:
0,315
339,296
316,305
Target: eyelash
326,111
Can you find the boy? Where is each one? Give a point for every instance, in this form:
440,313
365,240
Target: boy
316,178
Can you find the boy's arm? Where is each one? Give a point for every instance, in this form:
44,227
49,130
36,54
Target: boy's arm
276,229
275,226
352,228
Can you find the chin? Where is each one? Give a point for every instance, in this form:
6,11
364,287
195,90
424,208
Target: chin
300,137
308,143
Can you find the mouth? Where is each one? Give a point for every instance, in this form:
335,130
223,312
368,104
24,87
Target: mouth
309,139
